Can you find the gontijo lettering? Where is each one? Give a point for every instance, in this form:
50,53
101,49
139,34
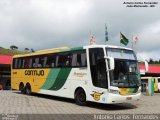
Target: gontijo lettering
34,72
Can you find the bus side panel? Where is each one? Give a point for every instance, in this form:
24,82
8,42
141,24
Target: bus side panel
77,78
35,77
72,78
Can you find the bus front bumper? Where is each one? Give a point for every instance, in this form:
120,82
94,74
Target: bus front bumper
116,98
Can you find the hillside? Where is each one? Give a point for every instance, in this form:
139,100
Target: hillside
4,51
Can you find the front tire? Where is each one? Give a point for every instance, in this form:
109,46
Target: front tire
80,97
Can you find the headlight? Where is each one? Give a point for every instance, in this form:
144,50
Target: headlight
113,91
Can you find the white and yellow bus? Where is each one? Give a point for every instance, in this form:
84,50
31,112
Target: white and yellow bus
97,73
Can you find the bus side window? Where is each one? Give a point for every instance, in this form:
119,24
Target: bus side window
79,59
68,60
30,63
74,60
15,63
35,62
79,62
45,62
42,61
84,59
19,63
27,63
59,61
49,61
23,61
53,61
64,60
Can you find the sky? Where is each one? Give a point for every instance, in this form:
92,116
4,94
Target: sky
45,24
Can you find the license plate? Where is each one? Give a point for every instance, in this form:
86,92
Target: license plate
129,98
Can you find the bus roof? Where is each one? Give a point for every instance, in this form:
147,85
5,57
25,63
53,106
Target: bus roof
109,46
47,51
66,48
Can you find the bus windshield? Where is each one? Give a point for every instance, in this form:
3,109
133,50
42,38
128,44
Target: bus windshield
121,53
126,72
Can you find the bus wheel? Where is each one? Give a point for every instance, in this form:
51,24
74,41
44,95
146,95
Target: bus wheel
28,89
80,97
22,88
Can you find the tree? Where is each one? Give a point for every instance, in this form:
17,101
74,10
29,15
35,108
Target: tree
32,50
13,47
26,49
151,61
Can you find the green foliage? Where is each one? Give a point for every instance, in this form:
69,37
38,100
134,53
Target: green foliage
155,62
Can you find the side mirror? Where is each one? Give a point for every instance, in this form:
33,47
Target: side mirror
110,61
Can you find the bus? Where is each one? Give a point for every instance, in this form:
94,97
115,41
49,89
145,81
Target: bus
97,73
158,84
144,81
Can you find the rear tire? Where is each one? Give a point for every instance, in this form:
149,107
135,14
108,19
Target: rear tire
22,88
80,97
28,89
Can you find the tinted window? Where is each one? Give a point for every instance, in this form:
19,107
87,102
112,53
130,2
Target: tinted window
19,63
27,63
98,67
64,59
15,63
50,61
42,61
35,62
79,59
